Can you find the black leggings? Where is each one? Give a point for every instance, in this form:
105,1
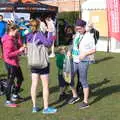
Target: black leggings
13,72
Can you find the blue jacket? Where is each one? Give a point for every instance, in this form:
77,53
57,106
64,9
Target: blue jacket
3,26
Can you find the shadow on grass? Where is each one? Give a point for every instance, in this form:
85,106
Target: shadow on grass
92,86
103,59
104,92
97,85
52,89
63,102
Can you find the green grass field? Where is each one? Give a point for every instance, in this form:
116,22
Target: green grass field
104,80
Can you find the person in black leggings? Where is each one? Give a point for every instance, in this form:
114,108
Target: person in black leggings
12,48
13,72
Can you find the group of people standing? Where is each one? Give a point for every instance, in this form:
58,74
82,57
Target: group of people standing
79,55
12,47
83,46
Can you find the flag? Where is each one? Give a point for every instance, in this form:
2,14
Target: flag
113,15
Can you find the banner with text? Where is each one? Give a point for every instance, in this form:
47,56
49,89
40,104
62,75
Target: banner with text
113,15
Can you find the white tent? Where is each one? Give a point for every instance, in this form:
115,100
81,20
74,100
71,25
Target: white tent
94,4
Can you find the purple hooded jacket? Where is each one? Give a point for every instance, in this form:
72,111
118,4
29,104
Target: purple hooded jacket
40,38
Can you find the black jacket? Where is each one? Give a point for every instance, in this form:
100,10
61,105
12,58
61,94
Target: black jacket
95,34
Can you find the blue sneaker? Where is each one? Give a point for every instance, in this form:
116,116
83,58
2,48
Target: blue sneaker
49,110
35,109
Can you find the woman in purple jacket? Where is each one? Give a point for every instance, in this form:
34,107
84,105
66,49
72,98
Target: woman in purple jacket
38,73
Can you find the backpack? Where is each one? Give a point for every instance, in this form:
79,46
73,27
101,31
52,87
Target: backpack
3,86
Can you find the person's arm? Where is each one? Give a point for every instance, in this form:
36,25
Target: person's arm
40,38
97,34
90,52
9,50
84,54
29,37
19,40
91,47
47,41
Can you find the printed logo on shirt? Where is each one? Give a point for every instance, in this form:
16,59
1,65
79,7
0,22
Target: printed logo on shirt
75,52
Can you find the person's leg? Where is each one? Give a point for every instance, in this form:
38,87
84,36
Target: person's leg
52,51
83,69
17,86
1,88
86,94
10,82
78,83
62,83
74,93
74,70
62,90
35,78
44,75
79,87
75,97
20,79
62,87
45,79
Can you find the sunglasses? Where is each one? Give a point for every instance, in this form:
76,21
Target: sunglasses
78,28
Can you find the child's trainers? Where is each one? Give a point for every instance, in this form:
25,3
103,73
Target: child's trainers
35,109
73,100
15,98
49,110
10,104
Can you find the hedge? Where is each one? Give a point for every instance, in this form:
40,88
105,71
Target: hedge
70,17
